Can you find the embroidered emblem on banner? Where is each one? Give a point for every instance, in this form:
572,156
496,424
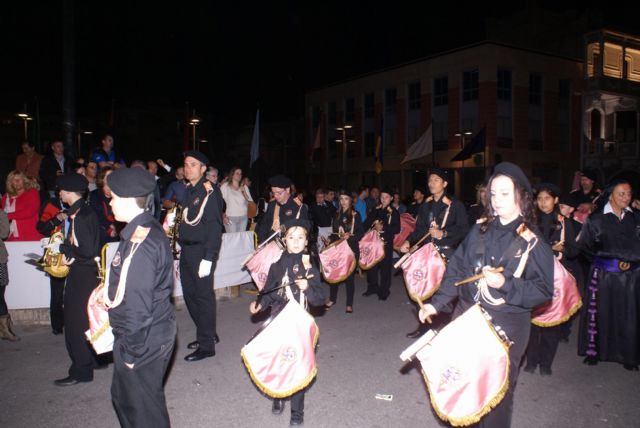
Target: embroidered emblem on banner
418,275
365,251
262,277
333,263
449,378
289,355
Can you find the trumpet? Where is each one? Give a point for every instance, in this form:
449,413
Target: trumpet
52,261
174,218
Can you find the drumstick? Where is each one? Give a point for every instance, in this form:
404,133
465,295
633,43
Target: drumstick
411,251
478,276
265,242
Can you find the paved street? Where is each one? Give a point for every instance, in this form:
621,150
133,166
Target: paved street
357,358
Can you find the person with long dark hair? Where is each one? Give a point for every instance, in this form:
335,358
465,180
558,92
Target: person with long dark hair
507,240
559,233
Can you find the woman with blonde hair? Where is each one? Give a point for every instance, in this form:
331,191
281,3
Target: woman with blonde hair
237,197
22,204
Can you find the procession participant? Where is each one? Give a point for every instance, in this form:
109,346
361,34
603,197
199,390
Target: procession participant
200,237
303,276
477,210
321,214
386,220
610,322
346,224
444,218
506,240
281,209
419,195
80,248
144,324
588,190
100,200
559,233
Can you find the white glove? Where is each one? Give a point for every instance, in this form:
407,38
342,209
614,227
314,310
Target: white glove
44,242
205,268
55,247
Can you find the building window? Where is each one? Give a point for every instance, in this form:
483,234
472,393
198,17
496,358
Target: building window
505,136
414,96
535,89
504,84
440,135
349,110
369,144
441,91
331,114
470,85
390,98
369,105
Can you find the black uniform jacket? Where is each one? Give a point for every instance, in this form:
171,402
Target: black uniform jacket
291,264
495,248
456,227
289,210
551,230
344,220
84,223
390,222
321,214
605,235
208,231
145,319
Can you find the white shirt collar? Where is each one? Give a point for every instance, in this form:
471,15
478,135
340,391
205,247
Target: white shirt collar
609,210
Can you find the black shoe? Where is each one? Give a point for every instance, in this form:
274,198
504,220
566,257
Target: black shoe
297,418
193,345
68,381
590,361
383,297
100,366
199,355
631,367
545,371
368,293
415,334
529,368
278,406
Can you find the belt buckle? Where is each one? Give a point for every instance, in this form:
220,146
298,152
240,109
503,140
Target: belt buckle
624,266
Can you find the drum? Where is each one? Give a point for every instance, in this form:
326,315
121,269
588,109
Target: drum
261,262
466,368
281,358
337,262
566,300
423,272
371,250
407,226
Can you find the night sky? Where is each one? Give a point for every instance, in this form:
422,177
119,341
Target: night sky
226,58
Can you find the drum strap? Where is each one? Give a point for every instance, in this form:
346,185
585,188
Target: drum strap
275,225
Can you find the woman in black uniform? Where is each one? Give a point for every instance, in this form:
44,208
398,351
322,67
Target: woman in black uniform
505,240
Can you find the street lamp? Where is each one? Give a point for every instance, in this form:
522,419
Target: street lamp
344,142
25,118
194,122
80,134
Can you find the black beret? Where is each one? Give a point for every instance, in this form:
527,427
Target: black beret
389,191
72,182
514,172
131,182
197,155
280,181
591,174
298,222
555,190
568,199
344,192
440,173
420,189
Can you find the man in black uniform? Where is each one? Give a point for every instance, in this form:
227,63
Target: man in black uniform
322,214
419,194
282,209
144,324
80,248
444,217
200,237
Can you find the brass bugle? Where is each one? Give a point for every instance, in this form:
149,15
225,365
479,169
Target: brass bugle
478,276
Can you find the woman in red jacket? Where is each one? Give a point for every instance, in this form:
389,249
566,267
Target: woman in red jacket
22,203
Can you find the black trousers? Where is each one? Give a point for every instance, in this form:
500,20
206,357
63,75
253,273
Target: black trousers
56,312
80,283
349,284
198,295
138,393
379,276
543,344
297,402
3,303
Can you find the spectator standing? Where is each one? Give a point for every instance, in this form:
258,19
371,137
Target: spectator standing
28,162
53,165
22,203
236,197
106,155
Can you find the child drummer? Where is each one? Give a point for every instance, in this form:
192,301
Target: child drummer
303,276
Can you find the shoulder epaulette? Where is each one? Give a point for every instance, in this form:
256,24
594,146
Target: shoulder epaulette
527,234
446,200
481,220
140,234
297,201
208,186
429,199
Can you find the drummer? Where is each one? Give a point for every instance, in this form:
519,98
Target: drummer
444,217
303,276
506,240
281,209
346,225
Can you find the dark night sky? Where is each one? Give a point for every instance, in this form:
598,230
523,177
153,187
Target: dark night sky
227,58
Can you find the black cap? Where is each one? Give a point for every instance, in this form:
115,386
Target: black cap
591,174
514,172
197,155
555,190
131,182
280,181
72,182
420,189
298,222
440,173
389,191
344,192
568,199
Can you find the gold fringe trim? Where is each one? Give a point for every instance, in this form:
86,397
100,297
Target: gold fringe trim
342,278
271,393
95,336
372,265
491,404
562,320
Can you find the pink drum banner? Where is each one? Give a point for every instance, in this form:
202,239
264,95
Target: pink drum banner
423,272
337,263
371,250
565,302
261,262
407,226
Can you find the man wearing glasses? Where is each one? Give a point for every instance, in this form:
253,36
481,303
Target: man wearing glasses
282,208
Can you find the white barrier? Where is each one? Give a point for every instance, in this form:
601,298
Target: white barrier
29,287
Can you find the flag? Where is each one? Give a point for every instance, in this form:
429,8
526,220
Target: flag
255,141
422,147
317,140
380,148
476,145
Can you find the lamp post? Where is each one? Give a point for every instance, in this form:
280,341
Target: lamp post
25,118
344,142
462,135
194,122
80,134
